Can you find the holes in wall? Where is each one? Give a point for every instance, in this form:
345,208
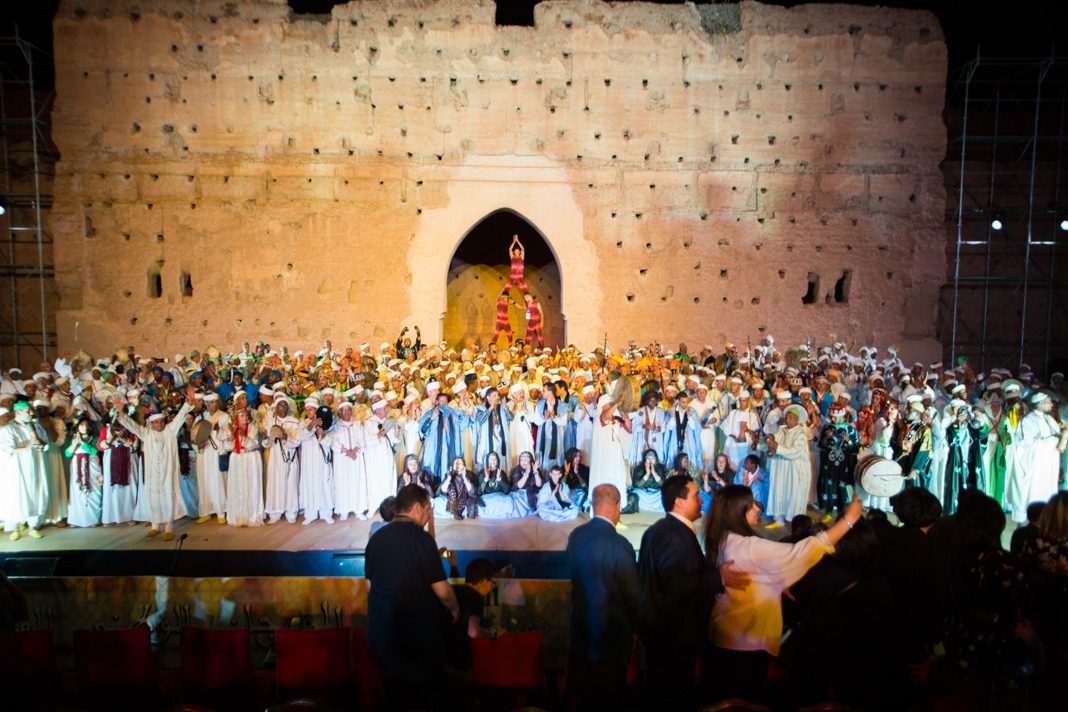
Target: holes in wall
155,284
755,300
813,289
186,285
630,297
841,287
724,274
782,274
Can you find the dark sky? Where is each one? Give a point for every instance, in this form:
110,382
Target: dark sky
1024,28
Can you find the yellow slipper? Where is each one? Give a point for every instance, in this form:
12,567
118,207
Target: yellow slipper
620,525
35,534
168,536
23,527
60,525
222,520
15,536
826,518
773,525
204,519
152,532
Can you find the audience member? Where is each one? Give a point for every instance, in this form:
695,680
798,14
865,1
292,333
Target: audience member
746,625
404,604
679,592
606,598
1045,559
1028,532
471,599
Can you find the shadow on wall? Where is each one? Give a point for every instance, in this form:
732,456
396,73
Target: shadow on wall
471,303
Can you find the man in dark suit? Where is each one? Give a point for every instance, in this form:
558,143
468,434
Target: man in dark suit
679,593
605,605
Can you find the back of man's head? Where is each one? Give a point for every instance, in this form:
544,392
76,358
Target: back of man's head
799,523
388,509
410,496
673,488
479,570
1034,512
605,500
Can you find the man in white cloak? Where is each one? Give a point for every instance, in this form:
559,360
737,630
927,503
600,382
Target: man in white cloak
789,467
23,480
1038,458
211,480
163,473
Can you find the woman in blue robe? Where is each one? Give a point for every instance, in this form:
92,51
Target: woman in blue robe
554,498
491,428
495,487
646,478
526,481
551,416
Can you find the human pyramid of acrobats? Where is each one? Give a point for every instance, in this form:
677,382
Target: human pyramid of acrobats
264,434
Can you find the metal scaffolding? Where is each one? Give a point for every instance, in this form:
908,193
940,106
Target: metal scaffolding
29,158
1006,288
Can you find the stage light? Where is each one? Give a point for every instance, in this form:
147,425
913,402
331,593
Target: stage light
998,221
1064,223
2,210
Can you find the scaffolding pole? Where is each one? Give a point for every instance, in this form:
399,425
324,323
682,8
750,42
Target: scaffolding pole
23,198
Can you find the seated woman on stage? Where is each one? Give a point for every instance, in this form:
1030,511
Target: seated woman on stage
576,475
244,485
554,498
411,473
646,478
457,495
526,481
494,486
721,475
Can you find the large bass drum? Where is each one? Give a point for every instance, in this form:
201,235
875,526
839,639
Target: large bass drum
878,476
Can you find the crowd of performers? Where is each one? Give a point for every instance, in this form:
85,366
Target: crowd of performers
504,433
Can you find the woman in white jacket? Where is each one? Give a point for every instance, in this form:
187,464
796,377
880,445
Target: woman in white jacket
746,625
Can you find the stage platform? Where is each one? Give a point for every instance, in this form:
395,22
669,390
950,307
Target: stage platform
535,548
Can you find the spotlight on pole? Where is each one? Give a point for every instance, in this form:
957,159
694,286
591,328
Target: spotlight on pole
1064,223
998,221
2,210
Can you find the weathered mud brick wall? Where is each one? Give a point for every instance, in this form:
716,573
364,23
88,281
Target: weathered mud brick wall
231,171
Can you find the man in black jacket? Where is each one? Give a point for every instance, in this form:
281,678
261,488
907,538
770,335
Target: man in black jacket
679,593
605,605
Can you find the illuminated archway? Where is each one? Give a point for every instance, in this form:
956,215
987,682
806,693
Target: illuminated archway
480,269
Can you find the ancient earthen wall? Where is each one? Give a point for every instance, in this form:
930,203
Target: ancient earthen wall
311,176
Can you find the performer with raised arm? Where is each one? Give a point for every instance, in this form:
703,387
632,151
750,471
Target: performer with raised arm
535,318
516,278
163,478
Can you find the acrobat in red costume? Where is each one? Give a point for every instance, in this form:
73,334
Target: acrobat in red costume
503,302
534,319
517,278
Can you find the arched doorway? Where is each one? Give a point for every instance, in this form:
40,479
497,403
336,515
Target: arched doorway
478,272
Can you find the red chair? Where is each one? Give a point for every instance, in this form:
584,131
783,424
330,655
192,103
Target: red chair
121,656
311,660
366,670
513,661
212,658
37,645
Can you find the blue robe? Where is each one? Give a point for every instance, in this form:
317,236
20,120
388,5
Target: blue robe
549,507
759,486
485,441
691,441
644,440
551,444
571,433
442,443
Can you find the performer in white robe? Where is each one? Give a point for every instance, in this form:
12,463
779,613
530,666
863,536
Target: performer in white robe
120,475
283,464
554,499
244,494
648,426
607,457
742,430
316,470
789,467
163,486
519,430
87,479
584,415
350,471
23,485
708,413
409,425
55,467
211,481
378,458
1038,458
